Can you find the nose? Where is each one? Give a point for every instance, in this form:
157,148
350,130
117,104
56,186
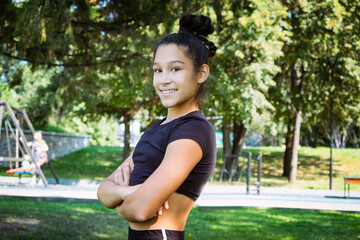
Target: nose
164,78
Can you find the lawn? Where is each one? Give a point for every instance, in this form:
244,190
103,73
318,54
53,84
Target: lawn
313,167
96,163
24,219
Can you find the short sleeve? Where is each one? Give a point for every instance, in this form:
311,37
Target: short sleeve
196,129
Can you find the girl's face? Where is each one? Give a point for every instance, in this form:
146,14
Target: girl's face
175,80
37,136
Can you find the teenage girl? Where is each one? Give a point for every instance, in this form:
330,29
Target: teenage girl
156,186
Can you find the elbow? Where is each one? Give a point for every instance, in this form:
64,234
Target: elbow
136,215
141,216
102,199
99,197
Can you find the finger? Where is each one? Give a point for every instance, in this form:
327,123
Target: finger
126,173
166,205
117,178
160,210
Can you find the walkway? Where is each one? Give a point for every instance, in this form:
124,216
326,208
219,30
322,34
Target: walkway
214,195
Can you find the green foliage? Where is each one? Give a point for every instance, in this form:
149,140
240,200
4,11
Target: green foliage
107,47
93,58
53,128
250,38
319,30
103,131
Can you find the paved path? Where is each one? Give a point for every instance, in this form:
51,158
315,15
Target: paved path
213,195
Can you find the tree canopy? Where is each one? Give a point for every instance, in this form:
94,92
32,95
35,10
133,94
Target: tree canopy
271,73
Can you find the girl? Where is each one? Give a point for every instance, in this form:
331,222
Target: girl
156,186
39,149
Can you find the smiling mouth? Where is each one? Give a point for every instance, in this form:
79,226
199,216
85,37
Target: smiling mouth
169,91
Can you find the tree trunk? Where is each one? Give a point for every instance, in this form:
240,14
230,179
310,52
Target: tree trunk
297,87
287,157
288,149
352,137
126,151
240,132
316,136
226,130
295,147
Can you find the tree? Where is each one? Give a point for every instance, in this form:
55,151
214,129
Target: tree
97,45
250,39
319,29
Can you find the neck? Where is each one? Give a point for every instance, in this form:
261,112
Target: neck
173,113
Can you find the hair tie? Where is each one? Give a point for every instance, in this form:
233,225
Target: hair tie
210,47
183,29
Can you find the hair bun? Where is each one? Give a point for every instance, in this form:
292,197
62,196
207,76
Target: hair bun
198,24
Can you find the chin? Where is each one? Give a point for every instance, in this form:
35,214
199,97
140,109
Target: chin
168,105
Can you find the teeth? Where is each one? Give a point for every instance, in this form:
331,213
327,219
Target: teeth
168,91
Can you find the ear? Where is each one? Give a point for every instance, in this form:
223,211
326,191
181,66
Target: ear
203,73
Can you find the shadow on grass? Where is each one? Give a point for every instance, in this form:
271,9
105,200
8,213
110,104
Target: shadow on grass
24,219
48,220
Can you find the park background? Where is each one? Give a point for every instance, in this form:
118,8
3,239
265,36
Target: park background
282,69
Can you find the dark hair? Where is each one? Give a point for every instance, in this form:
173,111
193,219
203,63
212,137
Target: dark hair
191,38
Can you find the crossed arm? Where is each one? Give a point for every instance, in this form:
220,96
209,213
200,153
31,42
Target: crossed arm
113,190
142,202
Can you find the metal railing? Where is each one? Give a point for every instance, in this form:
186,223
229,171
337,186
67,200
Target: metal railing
240,165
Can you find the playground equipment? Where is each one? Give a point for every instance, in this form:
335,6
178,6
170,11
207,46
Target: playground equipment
237,170
14,125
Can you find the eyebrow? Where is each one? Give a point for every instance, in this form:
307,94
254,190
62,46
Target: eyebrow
172,62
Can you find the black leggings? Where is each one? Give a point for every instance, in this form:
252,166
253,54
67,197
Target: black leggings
159,234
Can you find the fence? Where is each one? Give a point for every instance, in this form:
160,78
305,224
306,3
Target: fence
234,167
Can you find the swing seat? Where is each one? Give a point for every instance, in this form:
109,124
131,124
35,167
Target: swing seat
20,169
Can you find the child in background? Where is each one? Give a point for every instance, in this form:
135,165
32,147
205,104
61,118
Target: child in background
39,149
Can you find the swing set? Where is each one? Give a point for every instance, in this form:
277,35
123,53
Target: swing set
14,120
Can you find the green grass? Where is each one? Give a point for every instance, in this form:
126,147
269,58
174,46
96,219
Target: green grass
23,219
313,167
96,163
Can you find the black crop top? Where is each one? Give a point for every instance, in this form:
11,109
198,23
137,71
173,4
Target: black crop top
150,150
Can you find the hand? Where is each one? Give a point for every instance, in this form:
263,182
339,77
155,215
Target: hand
122,176
165,205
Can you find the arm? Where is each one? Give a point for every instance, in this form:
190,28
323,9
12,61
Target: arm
112,191
180,158
44,146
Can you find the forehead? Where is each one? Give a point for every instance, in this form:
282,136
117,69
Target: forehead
170,53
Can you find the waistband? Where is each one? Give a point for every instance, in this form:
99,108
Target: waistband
158,234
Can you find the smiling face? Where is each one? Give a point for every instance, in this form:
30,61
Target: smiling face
175,80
